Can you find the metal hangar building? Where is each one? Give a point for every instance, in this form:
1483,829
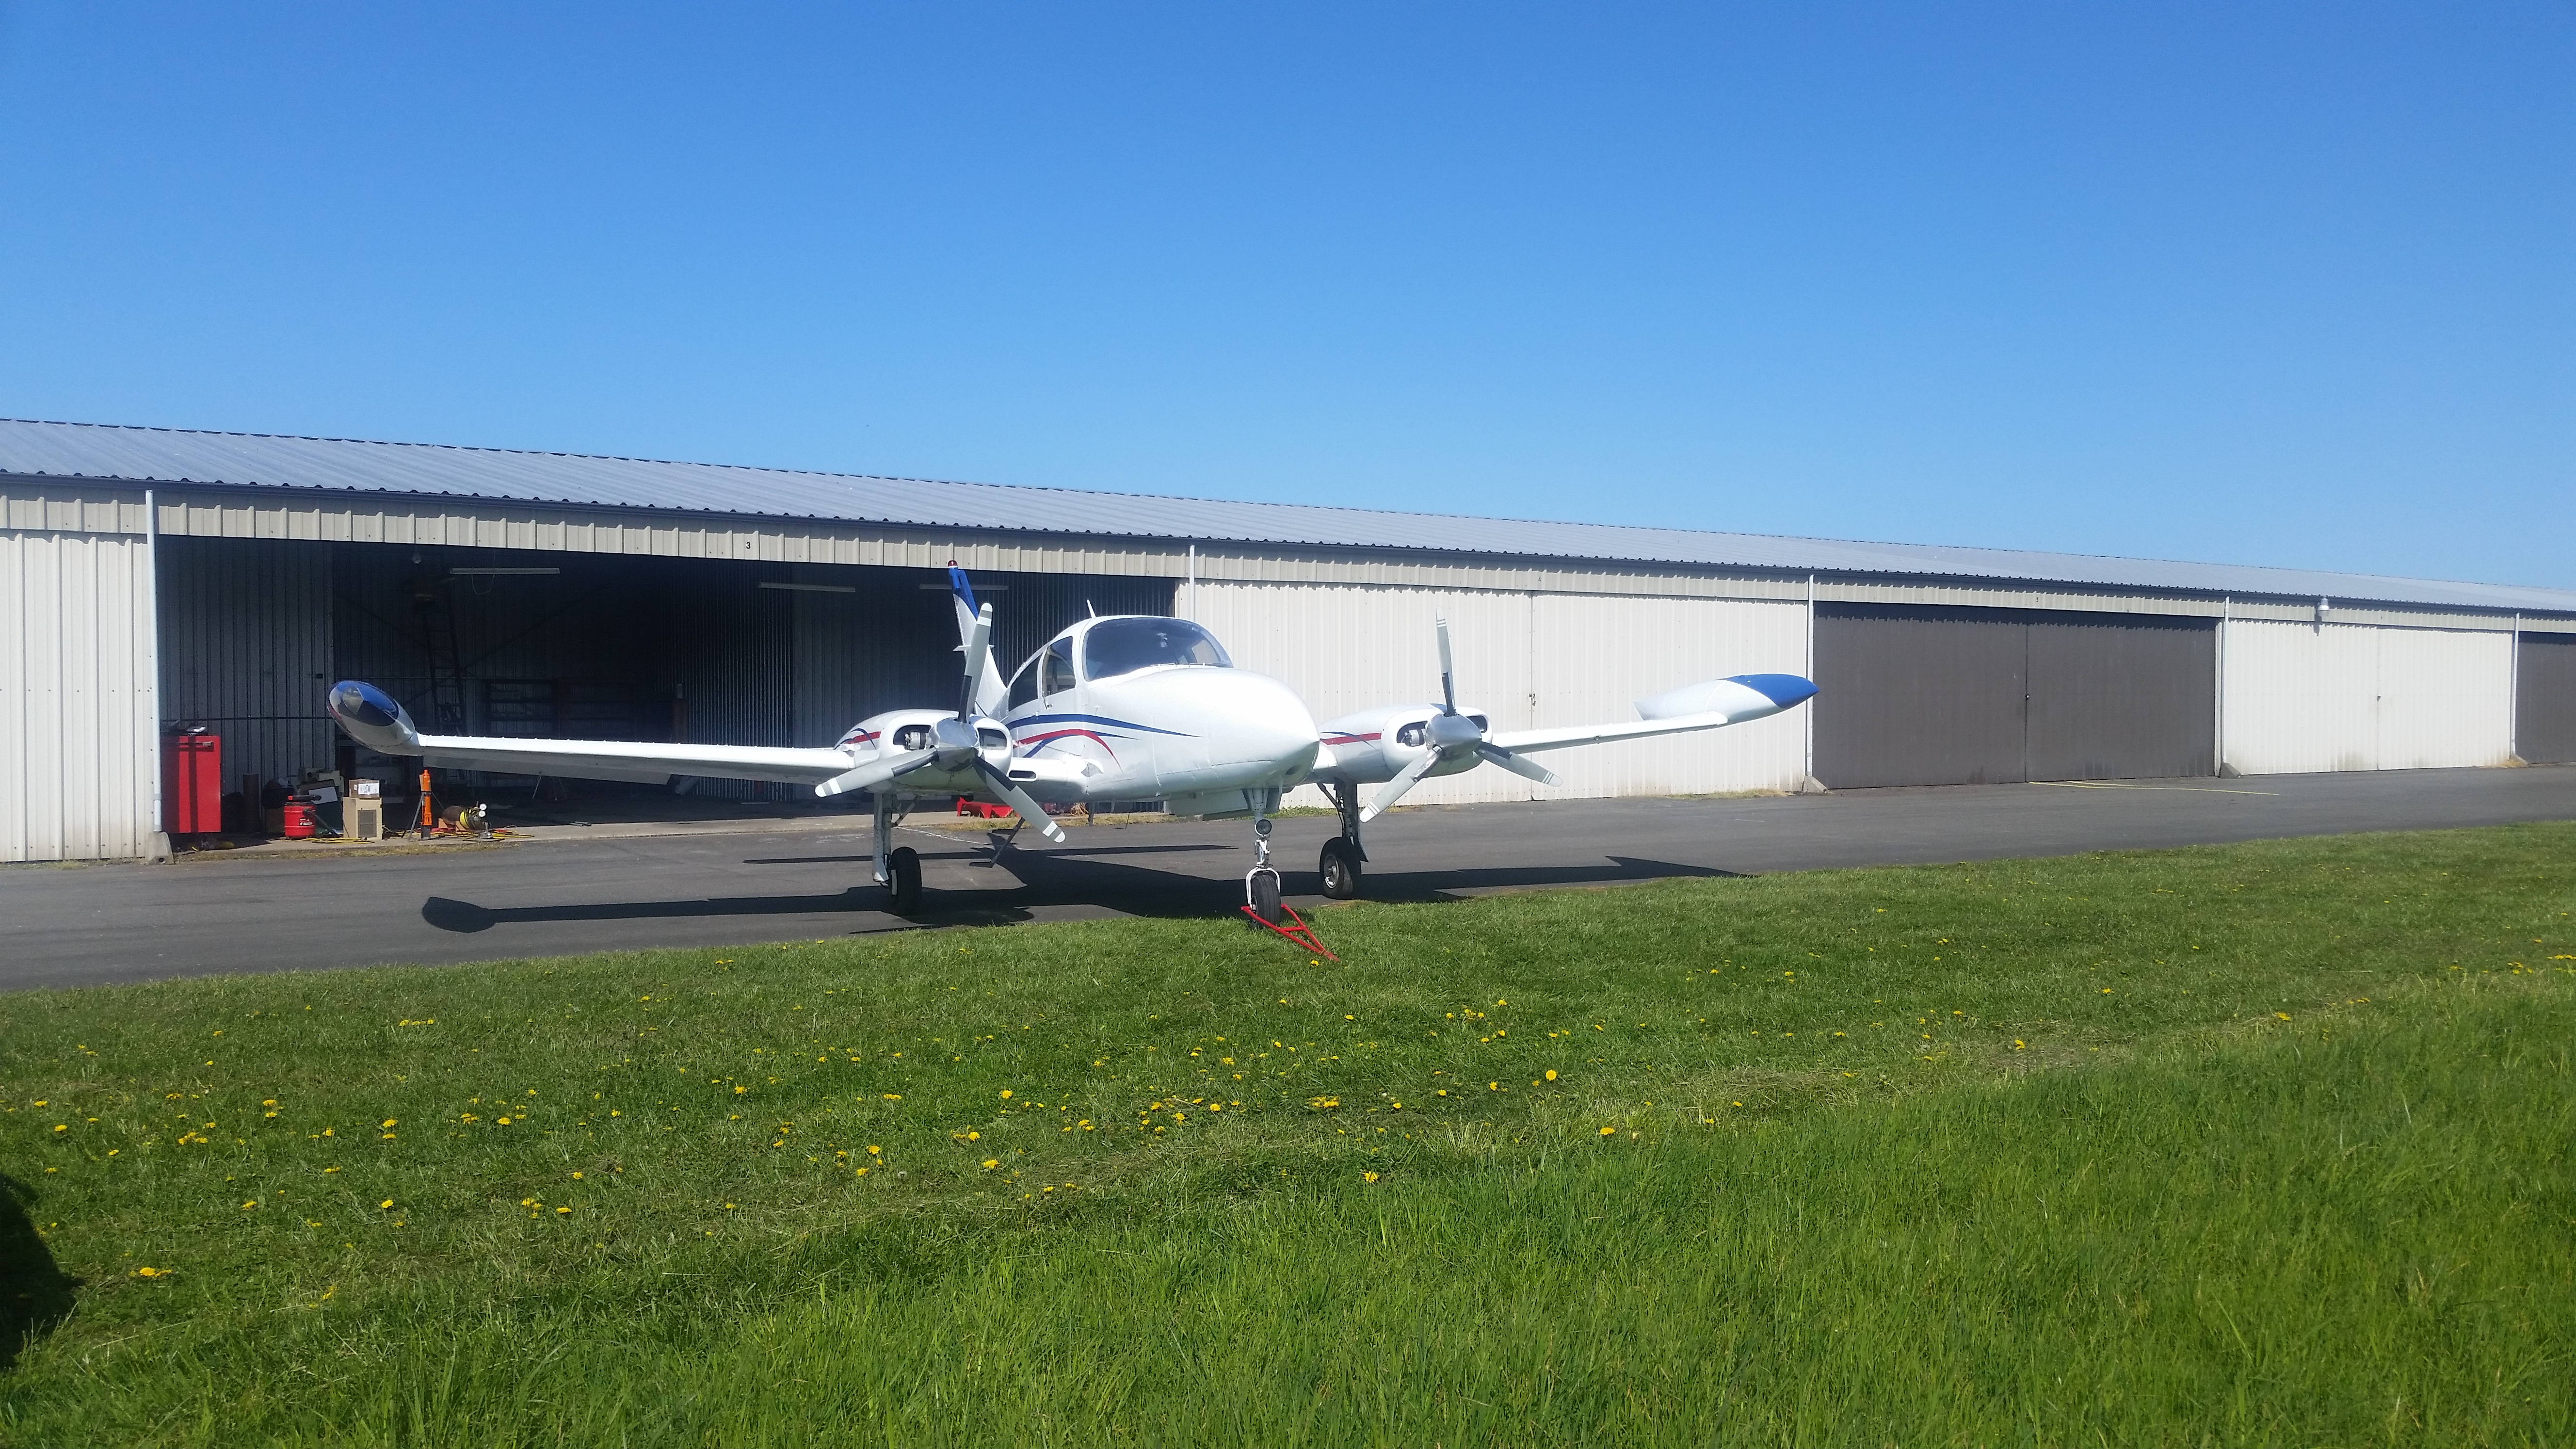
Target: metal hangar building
154,580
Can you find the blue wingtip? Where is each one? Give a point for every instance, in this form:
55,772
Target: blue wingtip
1783,690
958,585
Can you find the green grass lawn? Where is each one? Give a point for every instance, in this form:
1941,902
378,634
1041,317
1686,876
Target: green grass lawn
2262,1143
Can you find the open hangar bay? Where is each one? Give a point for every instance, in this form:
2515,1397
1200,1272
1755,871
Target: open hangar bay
158,580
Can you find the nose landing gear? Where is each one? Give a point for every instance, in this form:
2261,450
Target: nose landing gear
1261,900
1339,865
1261,883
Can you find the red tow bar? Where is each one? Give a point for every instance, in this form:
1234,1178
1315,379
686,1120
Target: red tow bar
1296,930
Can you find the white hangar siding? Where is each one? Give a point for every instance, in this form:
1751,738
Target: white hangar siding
2306,697
79,721
1529,659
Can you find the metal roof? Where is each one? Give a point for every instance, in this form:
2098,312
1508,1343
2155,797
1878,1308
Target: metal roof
99,452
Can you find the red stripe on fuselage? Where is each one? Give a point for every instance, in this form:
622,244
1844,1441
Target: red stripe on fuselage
1036,742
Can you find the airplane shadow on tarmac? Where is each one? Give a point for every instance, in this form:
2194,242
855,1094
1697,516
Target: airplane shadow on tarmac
1060,877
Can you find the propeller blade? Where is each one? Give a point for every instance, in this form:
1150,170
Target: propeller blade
1527,769
1448,686
979,644
1018,799
876,773
1393,790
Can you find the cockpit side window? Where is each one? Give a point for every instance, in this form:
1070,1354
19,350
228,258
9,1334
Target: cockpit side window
1024,685
1123,646
1055,668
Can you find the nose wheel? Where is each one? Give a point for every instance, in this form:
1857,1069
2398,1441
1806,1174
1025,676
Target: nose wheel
1261,883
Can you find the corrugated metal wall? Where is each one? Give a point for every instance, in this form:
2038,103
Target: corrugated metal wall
79,700
1528,660
2313,697
246,650
2544,731
1936,696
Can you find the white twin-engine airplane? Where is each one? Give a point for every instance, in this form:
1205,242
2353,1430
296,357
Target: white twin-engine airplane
1117,708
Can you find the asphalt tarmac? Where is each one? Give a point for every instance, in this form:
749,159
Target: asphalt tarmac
88,925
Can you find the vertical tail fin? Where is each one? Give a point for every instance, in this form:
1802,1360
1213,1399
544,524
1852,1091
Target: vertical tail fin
992,692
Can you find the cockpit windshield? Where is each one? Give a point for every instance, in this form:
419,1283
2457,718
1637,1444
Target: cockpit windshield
1123,646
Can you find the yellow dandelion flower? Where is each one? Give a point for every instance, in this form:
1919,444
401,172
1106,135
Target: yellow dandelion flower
1368,1177
1609,1131
1551,1074
150,1272
389,1122
388,1202
1006,1094
2285,1016
991,1162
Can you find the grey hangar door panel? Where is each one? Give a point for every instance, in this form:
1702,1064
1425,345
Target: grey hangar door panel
2544,719
2116,697
1914,695
1918,696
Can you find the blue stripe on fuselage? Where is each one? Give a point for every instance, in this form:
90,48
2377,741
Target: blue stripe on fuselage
1096,719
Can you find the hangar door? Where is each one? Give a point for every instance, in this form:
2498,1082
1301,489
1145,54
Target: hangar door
1945,696
2544,730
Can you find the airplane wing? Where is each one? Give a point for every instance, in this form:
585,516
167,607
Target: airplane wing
1704,706
373,719
1522,742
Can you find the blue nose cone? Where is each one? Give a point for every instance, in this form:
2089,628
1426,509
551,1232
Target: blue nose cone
1783,690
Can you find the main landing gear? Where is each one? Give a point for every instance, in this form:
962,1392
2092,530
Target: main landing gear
1339,865
898,869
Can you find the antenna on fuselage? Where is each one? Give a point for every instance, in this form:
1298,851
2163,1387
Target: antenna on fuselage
1094,608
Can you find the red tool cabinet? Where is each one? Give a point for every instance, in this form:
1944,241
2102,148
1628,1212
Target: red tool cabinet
192,791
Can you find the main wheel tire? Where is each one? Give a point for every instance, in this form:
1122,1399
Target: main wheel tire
1265,895
1340,867
905,889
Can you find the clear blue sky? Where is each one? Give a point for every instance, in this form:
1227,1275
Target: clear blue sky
2290,285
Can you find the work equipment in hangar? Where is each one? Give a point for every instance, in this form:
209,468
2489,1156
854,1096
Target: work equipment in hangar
1917,695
